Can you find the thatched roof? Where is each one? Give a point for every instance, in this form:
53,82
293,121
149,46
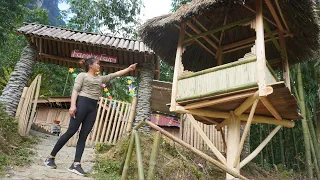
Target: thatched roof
161,33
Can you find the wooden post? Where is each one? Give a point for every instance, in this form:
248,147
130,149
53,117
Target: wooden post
23,96
132,114
178,63
284,58
245,132
233,143
260,49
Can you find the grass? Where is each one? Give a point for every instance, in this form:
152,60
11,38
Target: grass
14,149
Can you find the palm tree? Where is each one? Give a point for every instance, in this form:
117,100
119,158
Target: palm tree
143,109
18,80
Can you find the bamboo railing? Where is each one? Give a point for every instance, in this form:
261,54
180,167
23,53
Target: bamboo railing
135,142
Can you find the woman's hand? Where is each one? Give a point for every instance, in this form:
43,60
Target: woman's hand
132,67
72,111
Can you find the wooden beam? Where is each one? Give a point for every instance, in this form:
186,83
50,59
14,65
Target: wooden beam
228,26
219,56
268,120
196,151
281,15
246,104
252,10
271,108
206,139
178,63
203,112
245,132
218,101
273,39
196,30
274,15
260,49
222,124
260,147
208,120
204,28
245,41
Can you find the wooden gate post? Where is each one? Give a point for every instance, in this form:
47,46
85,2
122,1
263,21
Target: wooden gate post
132,114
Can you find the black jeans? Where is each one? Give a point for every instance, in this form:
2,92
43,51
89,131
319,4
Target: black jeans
85,115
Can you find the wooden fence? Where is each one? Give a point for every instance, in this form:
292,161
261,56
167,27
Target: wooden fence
114,118
189,134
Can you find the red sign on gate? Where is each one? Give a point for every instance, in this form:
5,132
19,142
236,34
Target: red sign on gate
101,57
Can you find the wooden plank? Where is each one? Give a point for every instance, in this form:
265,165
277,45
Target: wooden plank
98,120
101,117
124,119
110,123
271,108
106,122
33,111
178,62
21,102
206,139
118,123
260,147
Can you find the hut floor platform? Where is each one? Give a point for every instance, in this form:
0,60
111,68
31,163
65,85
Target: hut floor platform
281,99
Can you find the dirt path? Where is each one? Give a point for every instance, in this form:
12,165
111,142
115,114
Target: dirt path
37,170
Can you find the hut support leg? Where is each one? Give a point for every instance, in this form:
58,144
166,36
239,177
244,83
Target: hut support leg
233,143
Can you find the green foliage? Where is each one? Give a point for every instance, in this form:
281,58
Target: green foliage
102,147
14,149
36,15
5,77
120,18
175,4
166,72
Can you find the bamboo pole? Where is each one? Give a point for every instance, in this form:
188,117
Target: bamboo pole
260,147
139,156
315,161
206,139
153,156
285,63
305,128
132,114
274,15
203,112
197,31
268,120
178,63
96,122
196,151
245,132
128,158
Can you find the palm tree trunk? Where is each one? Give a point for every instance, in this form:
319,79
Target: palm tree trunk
143,110
18,80
305,128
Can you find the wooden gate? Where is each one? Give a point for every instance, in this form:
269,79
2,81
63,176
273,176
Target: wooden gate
114,118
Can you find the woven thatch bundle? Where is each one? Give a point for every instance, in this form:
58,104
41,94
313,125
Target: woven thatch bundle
161,33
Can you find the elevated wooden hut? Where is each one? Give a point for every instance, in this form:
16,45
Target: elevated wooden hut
224,54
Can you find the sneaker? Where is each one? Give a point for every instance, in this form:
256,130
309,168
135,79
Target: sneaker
49,162
77,169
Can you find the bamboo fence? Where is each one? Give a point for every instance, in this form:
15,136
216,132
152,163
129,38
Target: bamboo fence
189,134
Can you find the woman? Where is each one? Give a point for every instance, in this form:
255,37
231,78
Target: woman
83,109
